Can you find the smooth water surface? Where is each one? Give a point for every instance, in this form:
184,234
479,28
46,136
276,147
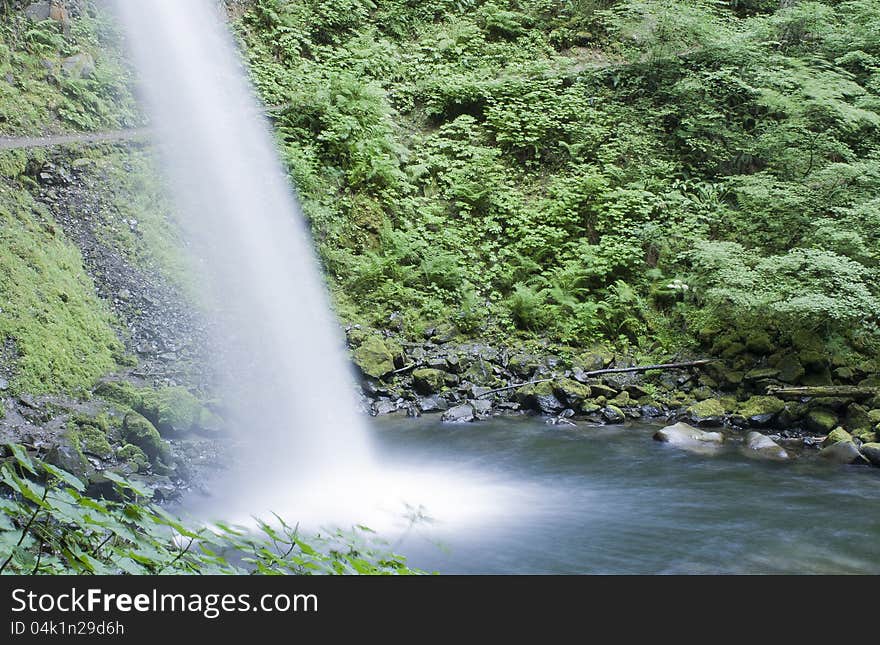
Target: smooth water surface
522,496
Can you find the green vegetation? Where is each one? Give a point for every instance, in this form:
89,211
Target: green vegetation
61,332
644,173
49,526
59,76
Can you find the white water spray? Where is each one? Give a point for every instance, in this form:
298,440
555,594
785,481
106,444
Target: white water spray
287,380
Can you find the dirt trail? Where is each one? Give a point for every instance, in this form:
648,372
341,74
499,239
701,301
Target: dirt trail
19,143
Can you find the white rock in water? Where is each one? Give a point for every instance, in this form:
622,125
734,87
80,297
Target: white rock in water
687,437
760,446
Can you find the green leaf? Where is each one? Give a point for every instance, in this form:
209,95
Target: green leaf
65,476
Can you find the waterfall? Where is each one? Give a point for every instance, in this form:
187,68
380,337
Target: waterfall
285,377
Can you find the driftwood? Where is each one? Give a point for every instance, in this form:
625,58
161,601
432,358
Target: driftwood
615,370
854,392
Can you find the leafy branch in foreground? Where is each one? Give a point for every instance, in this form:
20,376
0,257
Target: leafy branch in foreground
48,525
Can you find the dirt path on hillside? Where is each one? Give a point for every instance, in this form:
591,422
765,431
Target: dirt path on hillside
20,143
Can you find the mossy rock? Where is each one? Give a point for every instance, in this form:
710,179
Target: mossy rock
133,456
760,410
813,359
871,451
821,420
707,412
137,430
759,343
598,389
815,378
539,397
761,373
173,410
523,365
790,369
429,380
837,435
623,399
374,358
858,420
733,349
571,392
702,393
613,414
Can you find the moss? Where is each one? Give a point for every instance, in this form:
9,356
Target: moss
138,431
790,369
759,343
837,435
858,420
707,409
62,333
91,436
429,381
758,406
172,410
570,391
821,420
374,358
134,457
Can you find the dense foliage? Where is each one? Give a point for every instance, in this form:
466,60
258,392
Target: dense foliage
588,169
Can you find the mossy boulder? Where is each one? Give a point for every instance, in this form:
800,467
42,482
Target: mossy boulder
760,410
821,420
623,399
598,389
843,452
706,413
173,410
571,393
871,452
759,343
596,358
858,421
613,414
92,440
134,457
137,430
761,374
524,365
836,436
429,380
790,369
373,357
539,397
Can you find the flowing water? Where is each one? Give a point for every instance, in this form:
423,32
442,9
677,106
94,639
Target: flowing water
609,499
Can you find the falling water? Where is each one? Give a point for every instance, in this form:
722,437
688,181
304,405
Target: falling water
307,450
287,381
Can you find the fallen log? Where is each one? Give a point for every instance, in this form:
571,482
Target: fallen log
614,370
854,392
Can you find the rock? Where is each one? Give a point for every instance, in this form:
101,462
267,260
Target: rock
459,414
539,397
858,421
67,456
871,452
137,430
621,400
482,407
759,411
636,391
613,414
374,358
523,365
571,392
4,384
790,369
38,11
432,403
761,446
429,380
702,393
134,457
706,413
79,65
686,437
843,452
821,420
761,373
759,343
598,389
383,406
651,411
835,436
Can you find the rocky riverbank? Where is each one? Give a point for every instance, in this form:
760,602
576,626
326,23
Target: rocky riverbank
837,408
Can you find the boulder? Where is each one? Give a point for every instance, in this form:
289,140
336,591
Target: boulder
432,403
871,452
790,369
835,436
459,414
384,406
759,411
686,437
374,358
599,389
571,392
843,452
613,414
858,420
429,381
821,420
706,413
79,65
482,407
137,430
761,446
539,397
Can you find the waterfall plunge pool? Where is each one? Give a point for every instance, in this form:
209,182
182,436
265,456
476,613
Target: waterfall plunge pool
515,495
